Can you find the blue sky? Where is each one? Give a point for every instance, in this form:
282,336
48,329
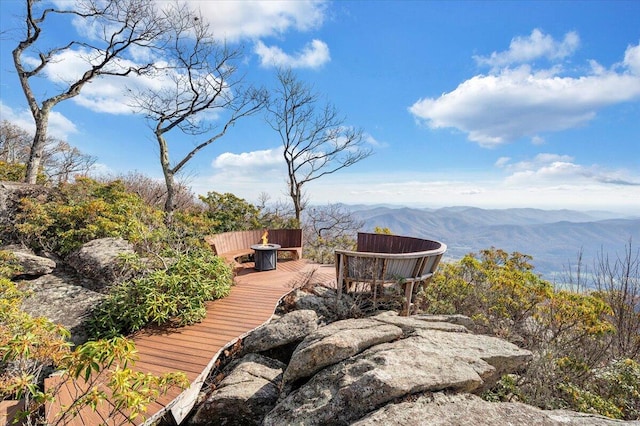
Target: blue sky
488,104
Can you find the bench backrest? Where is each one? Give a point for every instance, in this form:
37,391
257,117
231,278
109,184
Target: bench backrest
390,258
286,237
237,240
383,243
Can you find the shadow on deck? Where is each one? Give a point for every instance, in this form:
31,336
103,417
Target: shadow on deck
195,349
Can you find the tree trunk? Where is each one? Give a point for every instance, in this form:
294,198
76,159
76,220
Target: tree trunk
168,204
37,148
167,171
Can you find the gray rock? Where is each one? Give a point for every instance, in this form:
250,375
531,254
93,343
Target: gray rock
336,342
290,328
325,303
462,320
60,297
469,410
503,356
31,265
423,322
98,260
427,361
245,395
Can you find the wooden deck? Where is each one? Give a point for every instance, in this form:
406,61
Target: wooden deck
194,349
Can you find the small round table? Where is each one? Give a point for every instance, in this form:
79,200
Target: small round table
265,256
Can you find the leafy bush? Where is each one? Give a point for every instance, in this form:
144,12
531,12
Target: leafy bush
85,210
613,392
30,346
230,213
176,294
16,172
498,290
13,172
570,333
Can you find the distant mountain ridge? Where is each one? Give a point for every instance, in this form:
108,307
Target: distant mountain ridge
553,237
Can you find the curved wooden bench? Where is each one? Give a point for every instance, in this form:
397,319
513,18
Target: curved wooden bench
233,245
382,259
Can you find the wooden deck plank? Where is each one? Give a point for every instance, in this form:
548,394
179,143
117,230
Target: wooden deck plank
193,349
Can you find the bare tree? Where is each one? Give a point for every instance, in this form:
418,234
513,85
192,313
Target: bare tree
202,84
119,26
619,283
154,191
327,228
14,143
59,160
315,139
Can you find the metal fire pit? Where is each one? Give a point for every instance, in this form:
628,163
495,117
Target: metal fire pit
265,256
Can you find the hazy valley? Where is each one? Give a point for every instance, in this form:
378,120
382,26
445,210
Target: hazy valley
553,237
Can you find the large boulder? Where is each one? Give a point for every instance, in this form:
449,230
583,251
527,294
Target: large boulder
337,342
324,302
99,261
244,396
290,328
441,409
31,265
427,360
61,298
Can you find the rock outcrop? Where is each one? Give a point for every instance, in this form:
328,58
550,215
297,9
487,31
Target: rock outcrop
31,265
61,294
323,301
98,260
441,409
381,370
245,395
61,297
382,363
290,328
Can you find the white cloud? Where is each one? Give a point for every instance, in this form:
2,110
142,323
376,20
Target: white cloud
104,94
246,175
313,55
543,182
60,127
515,103
556,169
526,49
502,162
369,139
632,59
255,163
235,20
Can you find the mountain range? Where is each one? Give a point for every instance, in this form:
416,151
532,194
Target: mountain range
553,237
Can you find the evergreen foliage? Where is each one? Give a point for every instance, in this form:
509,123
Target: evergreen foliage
174,295
571,333
30,346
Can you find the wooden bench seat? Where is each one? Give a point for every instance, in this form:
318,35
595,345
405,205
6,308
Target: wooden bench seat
233,245
382,259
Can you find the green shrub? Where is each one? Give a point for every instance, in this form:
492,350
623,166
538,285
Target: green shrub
569,332
30,346
82,211
174,295
13,172
614,391
230,213
497,289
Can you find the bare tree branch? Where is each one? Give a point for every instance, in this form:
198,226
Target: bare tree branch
120,26
201,82
315,139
